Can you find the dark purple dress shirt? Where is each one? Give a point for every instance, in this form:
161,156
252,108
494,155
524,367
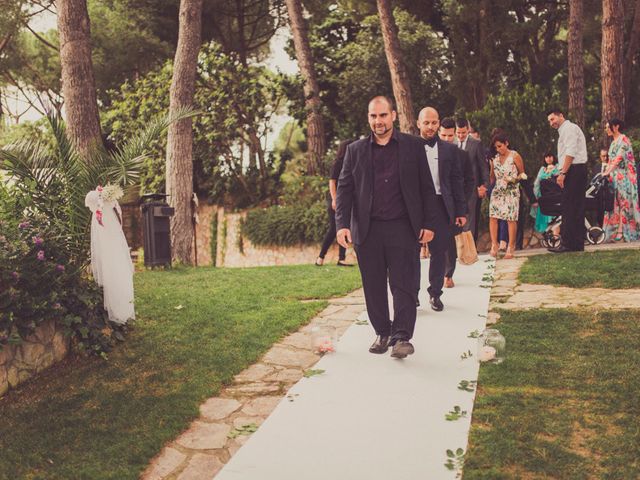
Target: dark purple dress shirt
388,203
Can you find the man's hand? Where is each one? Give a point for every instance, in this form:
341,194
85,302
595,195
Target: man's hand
460,221
333,204
482,191
560,180
426,236
344,237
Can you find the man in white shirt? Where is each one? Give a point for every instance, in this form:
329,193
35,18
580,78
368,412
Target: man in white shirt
572,159
450,208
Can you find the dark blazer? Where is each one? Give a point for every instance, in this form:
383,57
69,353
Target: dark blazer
450,171
479,165
355,186
470,187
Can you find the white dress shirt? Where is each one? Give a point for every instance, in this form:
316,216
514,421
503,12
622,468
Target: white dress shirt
432,157
571,142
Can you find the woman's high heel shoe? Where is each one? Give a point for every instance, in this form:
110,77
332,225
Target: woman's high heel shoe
494,251
509,254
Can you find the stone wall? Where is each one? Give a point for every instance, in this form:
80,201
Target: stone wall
204,233
231,250
41,350
235,251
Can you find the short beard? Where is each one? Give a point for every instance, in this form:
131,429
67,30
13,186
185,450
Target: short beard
380,134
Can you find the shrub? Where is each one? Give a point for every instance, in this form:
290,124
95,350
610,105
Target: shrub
286,225
521,113
38,282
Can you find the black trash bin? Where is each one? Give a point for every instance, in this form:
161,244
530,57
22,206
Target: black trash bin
156,216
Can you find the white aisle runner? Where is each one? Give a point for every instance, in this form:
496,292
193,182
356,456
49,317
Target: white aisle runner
372,417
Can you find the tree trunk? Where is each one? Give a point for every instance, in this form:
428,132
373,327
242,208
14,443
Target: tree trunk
399,75
631,54
576,62
315,122
180,135
485,27
612,60
78,81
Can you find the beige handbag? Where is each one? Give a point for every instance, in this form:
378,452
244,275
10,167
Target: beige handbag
466,248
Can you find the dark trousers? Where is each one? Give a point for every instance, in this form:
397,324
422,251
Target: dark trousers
503,231
473,219
523,215
389,253
572,228
451,256
330,237
439,252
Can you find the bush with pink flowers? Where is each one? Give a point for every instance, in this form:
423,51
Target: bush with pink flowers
38,283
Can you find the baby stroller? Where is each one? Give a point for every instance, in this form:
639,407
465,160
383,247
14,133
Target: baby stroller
550,202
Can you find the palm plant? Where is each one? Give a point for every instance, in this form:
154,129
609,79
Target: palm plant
53,184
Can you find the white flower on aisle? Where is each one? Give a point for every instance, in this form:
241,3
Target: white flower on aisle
110,257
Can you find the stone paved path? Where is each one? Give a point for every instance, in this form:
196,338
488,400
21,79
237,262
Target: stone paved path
507,293
226,421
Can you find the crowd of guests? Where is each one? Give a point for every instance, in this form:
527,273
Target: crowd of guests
498,172
391,192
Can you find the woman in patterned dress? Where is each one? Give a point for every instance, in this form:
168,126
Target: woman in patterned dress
623,223
506,170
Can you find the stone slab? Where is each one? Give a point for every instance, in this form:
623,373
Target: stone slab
290,357
253,389
204,436
218,408
254,373
261,406
164,465
201,466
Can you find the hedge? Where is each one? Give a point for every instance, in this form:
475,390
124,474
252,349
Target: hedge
286,225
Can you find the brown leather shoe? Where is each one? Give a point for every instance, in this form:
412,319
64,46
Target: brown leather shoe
381,345
448,282
402,349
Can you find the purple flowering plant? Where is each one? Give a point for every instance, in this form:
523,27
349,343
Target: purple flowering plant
38,284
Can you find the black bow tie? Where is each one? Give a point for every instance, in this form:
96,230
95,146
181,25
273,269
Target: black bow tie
431,141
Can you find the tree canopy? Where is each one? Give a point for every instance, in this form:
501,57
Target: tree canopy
464,57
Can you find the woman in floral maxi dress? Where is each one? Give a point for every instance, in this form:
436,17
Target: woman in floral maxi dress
623,223
506,170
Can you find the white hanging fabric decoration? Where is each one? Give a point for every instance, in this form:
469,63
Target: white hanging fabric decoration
110,257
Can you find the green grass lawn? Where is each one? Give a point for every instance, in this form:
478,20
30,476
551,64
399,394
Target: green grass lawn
196,329
565,402
606,269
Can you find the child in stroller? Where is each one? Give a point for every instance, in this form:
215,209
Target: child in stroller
550,202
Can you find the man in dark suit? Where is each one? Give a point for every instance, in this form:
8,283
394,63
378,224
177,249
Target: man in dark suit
480,169
446,172
447,133
383,207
